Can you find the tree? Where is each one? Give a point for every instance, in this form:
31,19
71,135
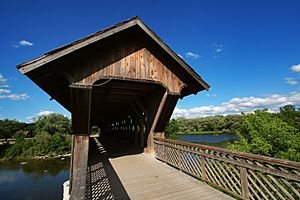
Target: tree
233,122
9,127
290,115
172,129
53,123
266,134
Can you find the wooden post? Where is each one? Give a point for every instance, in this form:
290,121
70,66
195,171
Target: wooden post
244,182
81,106
136,131
203,170
141,134
150,144
79,166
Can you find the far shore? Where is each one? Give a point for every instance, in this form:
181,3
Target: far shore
205,132
44,157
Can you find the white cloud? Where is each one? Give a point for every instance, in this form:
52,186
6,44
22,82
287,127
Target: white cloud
7,94
44,113
37,115
30,119
25,43
238,105
192,55
4,91
291,81
14,97
3,82
217,49
210,95
14,45
295,68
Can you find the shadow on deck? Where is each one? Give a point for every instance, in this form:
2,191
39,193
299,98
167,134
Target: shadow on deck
121,172
102,180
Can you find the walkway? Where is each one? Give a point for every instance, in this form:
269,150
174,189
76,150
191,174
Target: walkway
138,176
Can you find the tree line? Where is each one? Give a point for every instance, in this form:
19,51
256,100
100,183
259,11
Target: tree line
213,124
50,135
261,132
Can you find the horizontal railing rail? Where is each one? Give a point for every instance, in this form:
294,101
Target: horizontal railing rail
243,175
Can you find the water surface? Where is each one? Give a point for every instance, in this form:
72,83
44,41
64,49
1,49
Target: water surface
36,180
221,140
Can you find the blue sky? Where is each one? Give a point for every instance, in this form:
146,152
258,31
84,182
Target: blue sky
248,51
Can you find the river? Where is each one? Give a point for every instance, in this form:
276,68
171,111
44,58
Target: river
38,179
221,140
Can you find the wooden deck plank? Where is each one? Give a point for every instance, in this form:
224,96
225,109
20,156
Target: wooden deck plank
144,177
137,176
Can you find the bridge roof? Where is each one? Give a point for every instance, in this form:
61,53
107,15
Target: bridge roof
134,22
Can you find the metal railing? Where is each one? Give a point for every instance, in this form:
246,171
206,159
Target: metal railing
243,175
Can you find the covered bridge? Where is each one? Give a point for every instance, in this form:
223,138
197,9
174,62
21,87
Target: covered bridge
123,79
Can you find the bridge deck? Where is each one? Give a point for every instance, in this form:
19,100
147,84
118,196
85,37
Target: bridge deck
138,176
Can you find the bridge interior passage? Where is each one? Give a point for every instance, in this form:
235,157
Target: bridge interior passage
127,109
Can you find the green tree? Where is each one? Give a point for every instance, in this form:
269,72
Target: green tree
290,115
266,134
233,122
172,129
52,137
9,127
53,123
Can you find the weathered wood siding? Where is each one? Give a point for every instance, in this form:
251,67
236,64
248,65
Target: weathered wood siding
140,65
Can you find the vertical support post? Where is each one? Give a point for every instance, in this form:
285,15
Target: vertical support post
150,142
141,134
244,182
164,151
180,161
136,131
79,166
71,165
203,170
81,107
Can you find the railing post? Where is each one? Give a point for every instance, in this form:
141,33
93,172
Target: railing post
164,151
203,170
180,159
244,182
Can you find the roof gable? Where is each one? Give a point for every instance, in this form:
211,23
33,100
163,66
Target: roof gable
76,45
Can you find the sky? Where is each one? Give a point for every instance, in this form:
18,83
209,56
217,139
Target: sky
248,51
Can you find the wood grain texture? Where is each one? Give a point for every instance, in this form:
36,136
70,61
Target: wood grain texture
140,65
144,177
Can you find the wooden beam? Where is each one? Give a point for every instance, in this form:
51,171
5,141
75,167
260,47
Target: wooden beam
81,110
81,107
79,166
150,142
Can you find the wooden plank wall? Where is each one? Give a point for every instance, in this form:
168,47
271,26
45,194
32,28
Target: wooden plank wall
140,65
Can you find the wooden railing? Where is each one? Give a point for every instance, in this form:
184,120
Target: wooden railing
245,176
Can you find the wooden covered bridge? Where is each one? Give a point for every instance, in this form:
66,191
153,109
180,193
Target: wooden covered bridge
127,82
